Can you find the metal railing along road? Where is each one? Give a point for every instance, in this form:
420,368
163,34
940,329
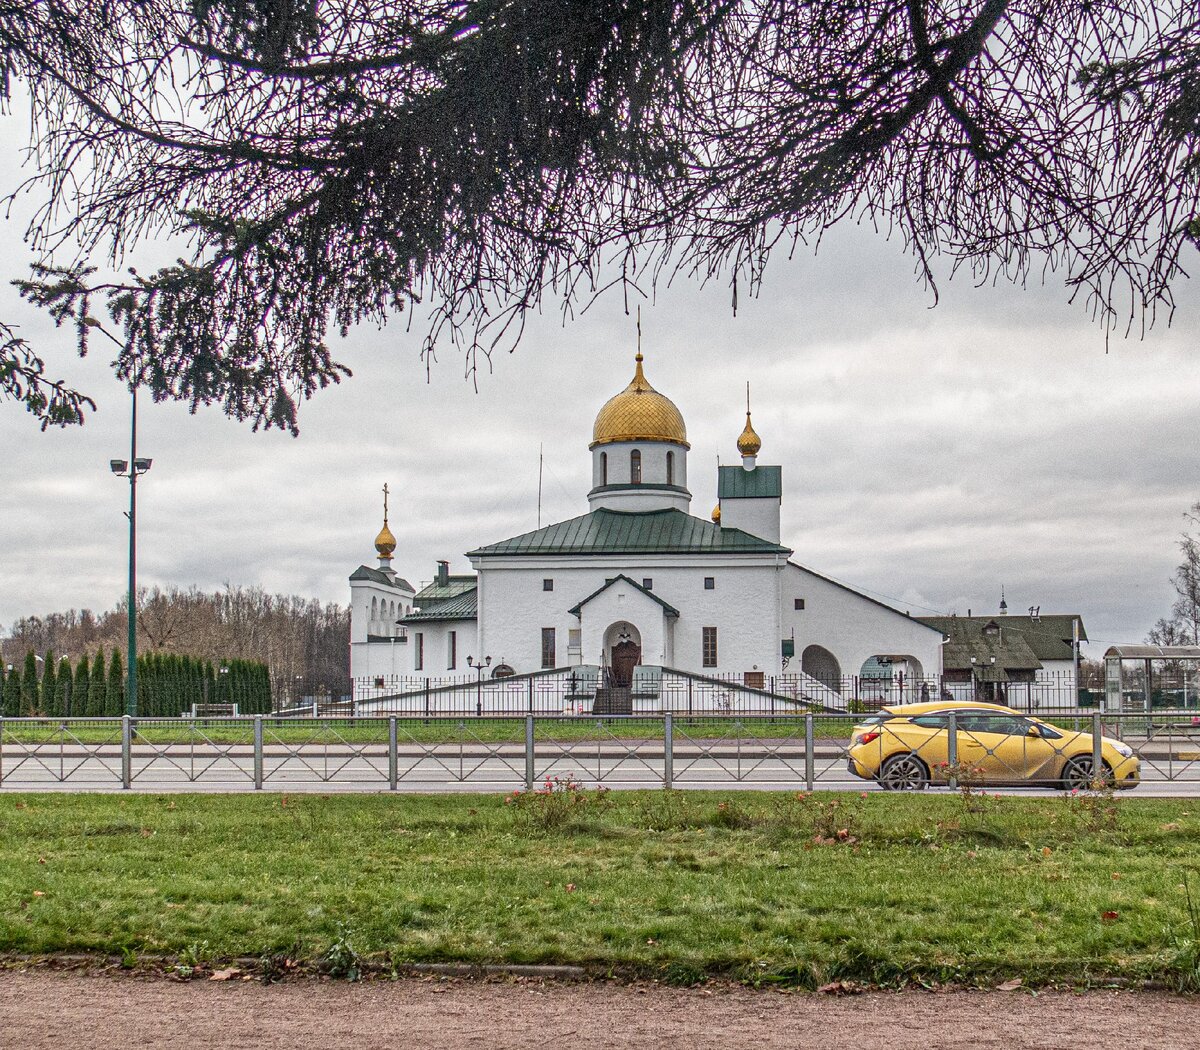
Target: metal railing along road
494,753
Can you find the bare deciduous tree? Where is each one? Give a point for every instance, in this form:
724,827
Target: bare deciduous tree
298,638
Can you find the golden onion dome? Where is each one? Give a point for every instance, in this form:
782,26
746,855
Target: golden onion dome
385,542
749,442
716,514
639,413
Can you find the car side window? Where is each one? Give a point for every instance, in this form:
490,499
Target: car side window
929,721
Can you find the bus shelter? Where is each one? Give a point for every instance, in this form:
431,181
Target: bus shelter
1145,677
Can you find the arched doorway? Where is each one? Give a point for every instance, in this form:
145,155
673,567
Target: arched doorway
623,650
818,662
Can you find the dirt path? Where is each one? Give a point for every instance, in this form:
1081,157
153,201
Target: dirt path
55,1010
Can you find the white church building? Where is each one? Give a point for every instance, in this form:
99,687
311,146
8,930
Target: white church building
636,587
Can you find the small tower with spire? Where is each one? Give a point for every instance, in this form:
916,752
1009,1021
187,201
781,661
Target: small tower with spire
1003,603
379,598
750,496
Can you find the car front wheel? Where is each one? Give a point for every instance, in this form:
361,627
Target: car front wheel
904,773
1078,774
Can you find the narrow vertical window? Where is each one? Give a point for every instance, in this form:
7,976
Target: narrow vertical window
452,650
548,647
603,468
419,652
710,647
635,467
670,468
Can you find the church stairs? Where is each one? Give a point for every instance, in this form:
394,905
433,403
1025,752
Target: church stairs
613,700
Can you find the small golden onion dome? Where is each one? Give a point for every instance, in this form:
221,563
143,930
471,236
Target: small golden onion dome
639,413
716,514
385,542
749,443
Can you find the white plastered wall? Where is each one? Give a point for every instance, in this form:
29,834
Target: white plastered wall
648,495
759,517
852,626
743,606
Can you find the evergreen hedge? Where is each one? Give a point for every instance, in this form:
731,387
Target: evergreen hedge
168,685
12,693
29,686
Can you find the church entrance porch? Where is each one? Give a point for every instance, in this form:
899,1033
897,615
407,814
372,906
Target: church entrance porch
623,648
622,653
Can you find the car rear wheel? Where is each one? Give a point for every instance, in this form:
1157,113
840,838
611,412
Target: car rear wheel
1078,774
904,773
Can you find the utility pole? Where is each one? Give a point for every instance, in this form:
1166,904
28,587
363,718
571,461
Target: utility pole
131,469
1075,657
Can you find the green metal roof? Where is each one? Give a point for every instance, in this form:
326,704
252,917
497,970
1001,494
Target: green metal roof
629,532
1048,637
365,572
669,609
463,606
456,585
759,483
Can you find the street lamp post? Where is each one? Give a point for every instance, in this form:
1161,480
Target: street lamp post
132,469
479,666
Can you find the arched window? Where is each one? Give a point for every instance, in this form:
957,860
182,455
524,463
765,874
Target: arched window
635,467
374,608
603,468
670,468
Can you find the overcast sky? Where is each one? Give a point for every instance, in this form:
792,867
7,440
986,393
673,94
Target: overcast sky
929,456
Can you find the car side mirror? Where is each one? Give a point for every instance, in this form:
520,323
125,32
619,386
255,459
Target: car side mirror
1033,731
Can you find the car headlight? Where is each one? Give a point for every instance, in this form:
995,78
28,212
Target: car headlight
1124,750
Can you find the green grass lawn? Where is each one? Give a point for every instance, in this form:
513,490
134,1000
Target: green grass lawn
755,886
457,729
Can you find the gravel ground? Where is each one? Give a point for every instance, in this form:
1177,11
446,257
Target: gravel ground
44,1009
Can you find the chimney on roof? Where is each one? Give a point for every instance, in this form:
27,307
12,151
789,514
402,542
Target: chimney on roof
443,574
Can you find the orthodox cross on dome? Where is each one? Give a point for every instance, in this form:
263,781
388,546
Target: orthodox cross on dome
385,486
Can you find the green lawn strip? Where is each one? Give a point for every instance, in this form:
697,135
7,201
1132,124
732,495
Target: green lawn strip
675,884
464,730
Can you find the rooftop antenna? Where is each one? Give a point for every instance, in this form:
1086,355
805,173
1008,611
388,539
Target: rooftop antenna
540,457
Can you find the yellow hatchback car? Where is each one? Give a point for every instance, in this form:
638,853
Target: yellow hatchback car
906,748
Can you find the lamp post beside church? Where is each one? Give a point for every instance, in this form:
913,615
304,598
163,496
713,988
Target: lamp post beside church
132,469
479,666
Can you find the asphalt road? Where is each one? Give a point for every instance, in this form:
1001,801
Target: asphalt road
475,768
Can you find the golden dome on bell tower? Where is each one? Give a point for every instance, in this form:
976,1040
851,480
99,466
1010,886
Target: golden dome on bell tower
639,413
385,542
748,442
